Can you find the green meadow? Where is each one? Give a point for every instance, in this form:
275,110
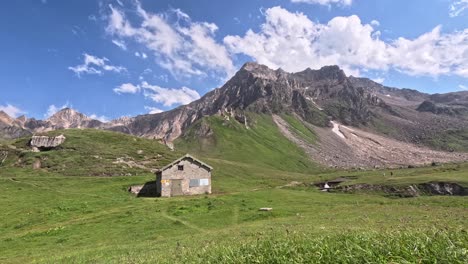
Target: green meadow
76,208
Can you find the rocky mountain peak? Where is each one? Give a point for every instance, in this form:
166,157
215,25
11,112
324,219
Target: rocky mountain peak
325,73
5,118
67,114
22,118
257,70
70,118
121,121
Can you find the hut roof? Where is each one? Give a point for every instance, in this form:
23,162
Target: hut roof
186,156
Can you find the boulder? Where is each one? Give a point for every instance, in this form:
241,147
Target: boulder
46,142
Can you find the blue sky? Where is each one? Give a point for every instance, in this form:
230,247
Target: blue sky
123,58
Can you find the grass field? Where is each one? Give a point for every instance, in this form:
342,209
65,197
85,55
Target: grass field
48,216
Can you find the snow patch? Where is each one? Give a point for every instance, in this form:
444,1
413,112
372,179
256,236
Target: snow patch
336,129
315,104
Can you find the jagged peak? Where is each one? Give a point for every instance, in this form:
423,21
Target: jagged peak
2,113
22,118
67,111
255,67
5,118
67,114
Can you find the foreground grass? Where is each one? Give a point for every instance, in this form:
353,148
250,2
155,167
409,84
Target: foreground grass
365,247
51,218
62,214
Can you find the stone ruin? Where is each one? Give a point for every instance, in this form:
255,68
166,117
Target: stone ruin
39,143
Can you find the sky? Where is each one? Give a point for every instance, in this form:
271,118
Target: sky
113,58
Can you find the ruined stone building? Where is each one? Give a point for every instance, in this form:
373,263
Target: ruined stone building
184,176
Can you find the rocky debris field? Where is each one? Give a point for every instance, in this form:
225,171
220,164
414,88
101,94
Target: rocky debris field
345,147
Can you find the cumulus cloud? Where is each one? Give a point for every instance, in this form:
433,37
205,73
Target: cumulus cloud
52,109
101,118
11,110
458,7
153,110
325,2
169,96
294,42
182,46
127,88
95,65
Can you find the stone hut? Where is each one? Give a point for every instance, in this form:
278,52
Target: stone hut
184,176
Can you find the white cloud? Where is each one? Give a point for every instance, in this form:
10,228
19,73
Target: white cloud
294,42
153,110
52,109
127,88
119,44
101,118
324,2
141,55
379,80
375,23
457,7
11,110
169,96
95,65
182,46
463,87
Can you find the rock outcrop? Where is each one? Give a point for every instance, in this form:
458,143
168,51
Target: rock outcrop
45,142
414,190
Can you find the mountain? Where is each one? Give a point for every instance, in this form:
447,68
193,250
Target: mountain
10,127
69,118
354,121
317,97
5,119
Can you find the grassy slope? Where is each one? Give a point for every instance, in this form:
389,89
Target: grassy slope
49,217
262,144
94,152
450,140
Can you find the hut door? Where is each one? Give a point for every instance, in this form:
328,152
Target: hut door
176,188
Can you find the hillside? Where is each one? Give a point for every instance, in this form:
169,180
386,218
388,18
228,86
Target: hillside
89,152
63,212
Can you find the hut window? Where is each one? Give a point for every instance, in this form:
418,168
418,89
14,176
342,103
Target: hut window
180,167
198,182
204,182
194,183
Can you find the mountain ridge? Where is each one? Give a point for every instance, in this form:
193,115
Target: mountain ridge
315,96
